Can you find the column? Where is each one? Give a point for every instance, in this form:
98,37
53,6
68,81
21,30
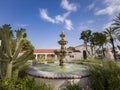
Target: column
45,56
36,56
56,57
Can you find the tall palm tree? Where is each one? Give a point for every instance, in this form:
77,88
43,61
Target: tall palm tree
86,35
11,47
110,32
116,23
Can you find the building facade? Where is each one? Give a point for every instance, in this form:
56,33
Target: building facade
74,54
78,52
44,54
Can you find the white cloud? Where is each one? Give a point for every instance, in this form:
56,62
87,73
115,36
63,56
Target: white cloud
68,6
61,18
112,2
109,10
91,6
68,24
44,15
112,7
58,19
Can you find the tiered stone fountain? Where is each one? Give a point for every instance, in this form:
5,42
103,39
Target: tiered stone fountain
62,52
57,77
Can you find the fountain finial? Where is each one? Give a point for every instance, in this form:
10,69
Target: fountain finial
62,35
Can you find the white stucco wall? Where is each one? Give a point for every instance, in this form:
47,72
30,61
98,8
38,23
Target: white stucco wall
78,55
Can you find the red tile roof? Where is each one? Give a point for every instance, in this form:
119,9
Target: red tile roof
44,50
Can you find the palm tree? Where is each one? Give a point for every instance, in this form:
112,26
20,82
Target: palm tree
11,47
86,35
116,23
110,32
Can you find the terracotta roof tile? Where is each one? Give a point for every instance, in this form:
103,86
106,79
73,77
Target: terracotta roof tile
44,50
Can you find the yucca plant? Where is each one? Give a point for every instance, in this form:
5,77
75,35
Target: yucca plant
105,76
11,47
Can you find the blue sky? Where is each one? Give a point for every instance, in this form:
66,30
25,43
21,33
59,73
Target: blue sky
44,20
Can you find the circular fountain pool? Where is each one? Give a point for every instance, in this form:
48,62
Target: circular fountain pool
54,71
59,76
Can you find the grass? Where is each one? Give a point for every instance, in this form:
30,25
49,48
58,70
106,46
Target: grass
48,60
89,61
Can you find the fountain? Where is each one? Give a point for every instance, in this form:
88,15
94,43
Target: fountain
58,75
62,52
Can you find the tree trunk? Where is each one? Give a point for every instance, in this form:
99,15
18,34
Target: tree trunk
0,70
114,53
92,49
9,70
86,47
86,50
84,55
103,52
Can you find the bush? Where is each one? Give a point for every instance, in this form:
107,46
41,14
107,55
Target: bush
22,72
72,87
22,84
50,60
105,76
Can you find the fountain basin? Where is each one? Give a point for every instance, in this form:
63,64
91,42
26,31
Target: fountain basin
58,77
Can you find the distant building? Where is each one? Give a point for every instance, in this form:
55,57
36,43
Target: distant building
44,53
76,53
